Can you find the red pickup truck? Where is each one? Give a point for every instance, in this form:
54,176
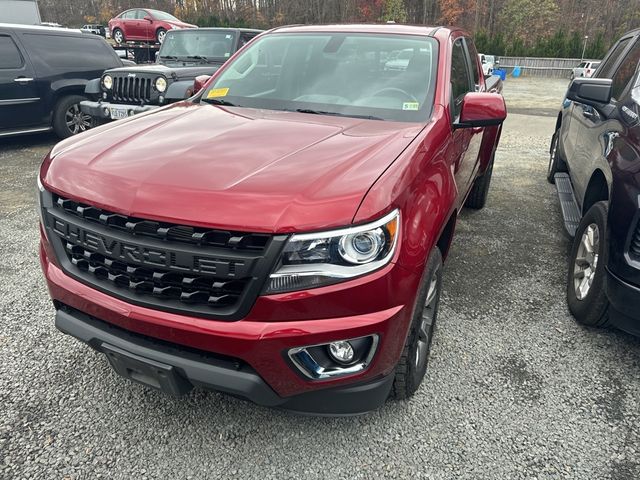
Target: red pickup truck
280,236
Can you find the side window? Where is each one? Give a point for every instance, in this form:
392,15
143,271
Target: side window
473,56
460,80
9,54
244,39
140,14
626,70
130,15
610,62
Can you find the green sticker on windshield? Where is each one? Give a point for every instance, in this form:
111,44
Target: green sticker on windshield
411,106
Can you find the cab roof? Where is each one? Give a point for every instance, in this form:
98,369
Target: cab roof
393,28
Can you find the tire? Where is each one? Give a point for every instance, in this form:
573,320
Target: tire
477,198
118,36
586,285
160,33
413,362
68,120
556,162
572,76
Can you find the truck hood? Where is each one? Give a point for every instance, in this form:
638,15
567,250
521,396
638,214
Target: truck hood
177,71
232,168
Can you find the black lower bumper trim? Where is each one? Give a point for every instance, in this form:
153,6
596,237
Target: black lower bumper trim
624,298
175,370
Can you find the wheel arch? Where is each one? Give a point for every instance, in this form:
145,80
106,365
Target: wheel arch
597,191
446,236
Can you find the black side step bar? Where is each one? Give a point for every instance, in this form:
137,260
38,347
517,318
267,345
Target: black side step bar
568,204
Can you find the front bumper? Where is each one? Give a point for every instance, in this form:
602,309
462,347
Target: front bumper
101,110
624,299
260,341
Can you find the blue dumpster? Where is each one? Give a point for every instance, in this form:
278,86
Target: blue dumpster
501,73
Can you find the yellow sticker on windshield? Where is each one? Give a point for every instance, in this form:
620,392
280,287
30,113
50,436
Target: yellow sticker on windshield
219,92
411,106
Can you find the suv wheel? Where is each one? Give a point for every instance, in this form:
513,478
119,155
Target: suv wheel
118,36
415,355
556,163
586,281
160,34
477,198
68,119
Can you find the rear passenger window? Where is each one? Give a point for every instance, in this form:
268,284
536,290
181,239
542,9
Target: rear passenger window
62,53
460,79
9,54
625,72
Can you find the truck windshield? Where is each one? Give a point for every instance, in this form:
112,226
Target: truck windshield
198,44
345,74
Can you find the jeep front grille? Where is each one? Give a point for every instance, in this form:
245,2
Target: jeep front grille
634,247
202,272
132,89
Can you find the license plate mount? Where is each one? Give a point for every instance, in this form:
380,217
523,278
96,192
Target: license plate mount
118,113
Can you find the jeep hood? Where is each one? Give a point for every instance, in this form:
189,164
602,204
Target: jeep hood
232,168
177,71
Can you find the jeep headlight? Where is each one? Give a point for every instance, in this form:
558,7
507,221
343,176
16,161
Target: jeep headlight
107,82
316,259
161,84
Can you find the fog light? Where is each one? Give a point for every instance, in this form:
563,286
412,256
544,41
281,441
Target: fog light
341,351
104,95
160,99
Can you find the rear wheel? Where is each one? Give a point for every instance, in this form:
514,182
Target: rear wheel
412,365
556,163
118,36
586,280
68,119
477,198
160,34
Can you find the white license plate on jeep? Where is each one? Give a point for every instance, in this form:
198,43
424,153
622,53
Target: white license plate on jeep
119,112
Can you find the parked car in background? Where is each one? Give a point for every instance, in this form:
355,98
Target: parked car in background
184,55
595,164
488,63
144,24
43,74
280,236
585,69
95,29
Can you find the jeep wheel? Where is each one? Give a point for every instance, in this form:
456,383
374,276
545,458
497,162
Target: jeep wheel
556,163
160,34
477,198
68,119
118,36
413,362
586,280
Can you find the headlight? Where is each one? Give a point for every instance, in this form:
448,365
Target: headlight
107,82
317,259
174,27
161,84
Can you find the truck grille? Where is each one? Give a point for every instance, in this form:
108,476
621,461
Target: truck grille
178,268
132,89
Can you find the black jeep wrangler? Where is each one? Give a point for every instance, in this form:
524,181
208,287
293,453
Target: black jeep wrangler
184,55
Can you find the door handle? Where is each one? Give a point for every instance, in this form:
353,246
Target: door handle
23,79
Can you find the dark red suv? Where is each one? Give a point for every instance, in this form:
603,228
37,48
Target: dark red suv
144,24
281,235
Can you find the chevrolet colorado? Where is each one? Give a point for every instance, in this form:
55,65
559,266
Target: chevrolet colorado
280,236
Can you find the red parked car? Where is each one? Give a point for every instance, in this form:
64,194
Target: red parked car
144,24
281,235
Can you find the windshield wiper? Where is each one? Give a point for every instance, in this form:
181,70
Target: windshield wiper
169,57
219,101
198,57
336,114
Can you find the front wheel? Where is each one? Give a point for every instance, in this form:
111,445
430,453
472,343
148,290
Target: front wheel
118,36
586,280
68,119
412,365
160,34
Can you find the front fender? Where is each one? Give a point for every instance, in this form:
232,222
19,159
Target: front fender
93,87
179,90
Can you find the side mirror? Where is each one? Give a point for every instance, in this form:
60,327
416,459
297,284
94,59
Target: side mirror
148,18
199,82
595,92
480,109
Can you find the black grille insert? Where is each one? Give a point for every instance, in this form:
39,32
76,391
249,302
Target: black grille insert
634,247
178,268
132,89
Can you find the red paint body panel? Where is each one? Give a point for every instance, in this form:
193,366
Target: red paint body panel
280,172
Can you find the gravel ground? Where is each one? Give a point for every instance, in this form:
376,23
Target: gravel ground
515,389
